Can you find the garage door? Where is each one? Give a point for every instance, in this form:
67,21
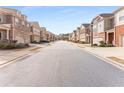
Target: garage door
122,41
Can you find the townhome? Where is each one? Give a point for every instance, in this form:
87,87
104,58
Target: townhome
43,36
14,26
64,36
119,27
70,36
103,28
109,30
52,37
48,35
85,33
73,36
35,32
78,34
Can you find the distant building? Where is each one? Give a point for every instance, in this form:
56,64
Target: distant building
63,37
35,31
85,33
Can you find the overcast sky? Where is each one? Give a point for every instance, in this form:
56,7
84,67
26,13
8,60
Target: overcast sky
63,19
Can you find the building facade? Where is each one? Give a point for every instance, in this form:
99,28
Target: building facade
35,32
119,27
43,36
103,28
85,33
14,26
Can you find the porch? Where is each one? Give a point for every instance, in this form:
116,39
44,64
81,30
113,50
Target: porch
110,37
4,33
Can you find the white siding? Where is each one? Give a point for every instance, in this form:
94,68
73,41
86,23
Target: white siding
119,15
101,26
1,18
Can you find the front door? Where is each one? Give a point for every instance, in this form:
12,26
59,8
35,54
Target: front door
110,38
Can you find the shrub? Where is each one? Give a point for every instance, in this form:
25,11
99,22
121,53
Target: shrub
102,44
13,45
94,45
27,45
20,45
35,42
7,46
110,45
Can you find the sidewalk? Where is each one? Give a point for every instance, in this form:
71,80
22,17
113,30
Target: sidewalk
114,54
11,55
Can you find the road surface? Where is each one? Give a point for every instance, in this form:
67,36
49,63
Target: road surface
61,65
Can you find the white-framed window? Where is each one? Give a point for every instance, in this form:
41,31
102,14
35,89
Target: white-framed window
16,21
28,25
121,18
23,23
1,18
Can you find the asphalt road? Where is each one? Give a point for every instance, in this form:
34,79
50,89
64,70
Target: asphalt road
61,65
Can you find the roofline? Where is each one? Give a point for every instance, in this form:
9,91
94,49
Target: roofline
11,9
100,15
119,9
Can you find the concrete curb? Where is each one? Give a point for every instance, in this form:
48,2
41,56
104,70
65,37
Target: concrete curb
118,65
21,56
13,60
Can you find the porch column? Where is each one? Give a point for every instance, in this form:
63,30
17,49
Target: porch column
7,35
114,38
107,37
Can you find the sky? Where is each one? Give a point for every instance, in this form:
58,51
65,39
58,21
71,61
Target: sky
62,19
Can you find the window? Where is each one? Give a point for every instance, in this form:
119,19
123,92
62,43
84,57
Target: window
121,18
16,21
0,18
23,23
27,25
0,36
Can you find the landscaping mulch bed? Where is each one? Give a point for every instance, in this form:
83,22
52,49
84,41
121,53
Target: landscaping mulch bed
116,59
34,49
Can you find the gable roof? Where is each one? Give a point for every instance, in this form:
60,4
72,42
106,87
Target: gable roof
119,9
104,15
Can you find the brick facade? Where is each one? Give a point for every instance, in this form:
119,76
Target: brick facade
119,33
102,35
15,25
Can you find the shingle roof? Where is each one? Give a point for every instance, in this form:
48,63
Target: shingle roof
86,25
106,14
119,9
